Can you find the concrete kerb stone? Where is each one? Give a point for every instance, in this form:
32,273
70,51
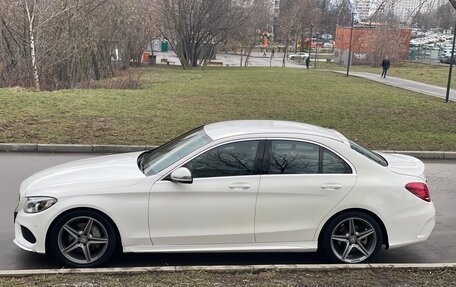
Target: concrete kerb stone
226,268
117,148
77,148
13,147
422,154
449,155
73,148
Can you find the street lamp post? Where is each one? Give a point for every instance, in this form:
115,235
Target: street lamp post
452,59
350,46
311,35
316,49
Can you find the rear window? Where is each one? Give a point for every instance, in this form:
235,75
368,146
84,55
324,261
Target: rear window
369,154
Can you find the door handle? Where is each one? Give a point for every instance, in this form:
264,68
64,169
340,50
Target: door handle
331,186
239,186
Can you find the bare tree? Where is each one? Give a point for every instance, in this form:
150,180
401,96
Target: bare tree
453,3
52,44
247,35
294,18
194,27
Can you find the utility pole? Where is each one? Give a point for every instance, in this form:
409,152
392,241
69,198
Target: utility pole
452,60
316,49
350,46
311,35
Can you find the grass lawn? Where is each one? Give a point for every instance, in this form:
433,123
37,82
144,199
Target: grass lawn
430,74
339,278
173,100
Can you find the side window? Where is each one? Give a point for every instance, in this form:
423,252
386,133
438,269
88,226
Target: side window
293,157
331,163
227,160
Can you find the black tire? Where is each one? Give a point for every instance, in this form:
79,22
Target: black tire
98,243
337,238
292,58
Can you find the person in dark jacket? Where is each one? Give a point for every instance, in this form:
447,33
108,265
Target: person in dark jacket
385,65
307,62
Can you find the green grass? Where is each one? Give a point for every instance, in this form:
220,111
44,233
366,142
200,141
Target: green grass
173,101
430,74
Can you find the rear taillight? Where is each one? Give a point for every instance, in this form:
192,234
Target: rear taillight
419,189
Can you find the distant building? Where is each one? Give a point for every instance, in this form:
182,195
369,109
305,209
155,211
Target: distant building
407,9
370,45
365,8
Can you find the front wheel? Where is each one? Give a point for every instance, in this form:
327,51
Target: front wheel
352,237
82,238
292,58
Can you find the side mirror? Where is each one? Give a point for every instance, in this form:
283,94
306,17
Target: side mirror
182,175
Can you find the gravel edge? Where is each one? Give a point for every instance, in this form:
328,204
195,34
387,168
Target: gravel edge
225,268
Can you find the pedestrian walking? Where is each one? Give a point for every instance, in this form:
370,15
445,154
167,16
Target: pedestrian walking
307,62
273,52
385,65
264,53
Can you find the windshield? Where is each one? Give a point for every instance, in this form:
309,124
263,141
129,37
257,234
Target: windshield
368,153
152,162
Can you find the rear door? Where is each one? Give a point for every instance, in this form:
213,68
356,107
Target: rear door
303,181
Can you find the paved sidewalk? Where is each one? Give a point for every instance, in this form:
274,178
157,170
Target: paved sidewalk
414,86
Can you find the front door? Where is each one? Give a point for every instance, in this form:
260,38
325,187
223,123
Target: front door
218,207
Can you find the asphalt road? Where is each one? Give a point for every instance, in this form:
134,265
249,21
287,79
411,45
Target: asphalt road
15,167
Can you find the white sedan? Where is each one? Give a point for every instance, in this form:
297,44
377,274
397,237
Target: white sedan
298,55
232,186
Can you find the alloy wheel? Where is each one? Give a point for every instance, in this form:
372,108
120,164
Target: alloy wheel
353,240
83,240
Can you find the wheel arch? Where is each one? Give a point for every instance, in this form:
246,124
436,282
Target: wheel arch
107,217
368,212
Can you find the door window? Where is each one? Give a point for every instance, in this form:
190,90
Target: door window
295,157
331,163
231,159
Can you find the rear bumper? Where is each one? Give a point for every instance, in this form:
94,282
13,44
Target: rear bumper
412,226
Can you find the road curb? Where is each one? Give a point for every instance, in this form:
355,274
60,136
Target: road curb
79,148
72,148
226,268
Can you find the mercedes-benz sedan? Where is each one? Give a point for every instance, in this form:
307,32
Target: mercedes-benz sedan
232,186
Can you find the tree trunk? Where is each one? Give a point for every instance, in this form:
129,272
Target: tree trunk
285,54
31,19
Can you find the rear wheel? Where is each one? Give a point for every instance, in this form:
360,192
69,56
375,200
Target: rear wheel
82,238
352,237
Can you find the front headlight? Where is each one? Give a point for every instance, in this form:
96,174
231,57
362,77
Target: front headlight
38,204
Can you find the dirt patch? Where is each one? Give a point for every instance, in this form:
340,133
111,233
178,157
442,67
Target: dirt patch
368,277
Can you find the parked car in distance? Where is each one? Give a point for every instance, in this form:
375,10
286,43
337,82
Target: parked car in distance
256,186
298,55
445,56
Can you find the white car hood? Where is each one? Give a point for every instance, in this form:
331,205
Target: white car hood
84,175
404,164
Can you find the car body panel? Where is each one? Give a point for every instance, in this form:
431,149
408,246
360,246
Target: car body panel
208,211
153,214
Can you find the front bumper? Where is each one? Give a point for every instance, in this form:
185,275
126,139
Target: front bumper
30,230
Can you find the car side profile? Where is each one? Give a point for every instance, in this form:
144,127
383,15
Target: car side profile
445,56
255,186
298,55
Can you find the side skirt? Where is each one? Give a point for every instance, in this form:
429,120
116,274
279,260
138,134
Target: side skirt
307,246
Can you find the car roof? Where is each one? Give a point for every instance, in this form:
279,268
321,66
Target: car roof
225,129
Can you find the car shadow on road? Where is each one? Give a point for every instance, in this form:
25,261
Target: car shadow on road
37,261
